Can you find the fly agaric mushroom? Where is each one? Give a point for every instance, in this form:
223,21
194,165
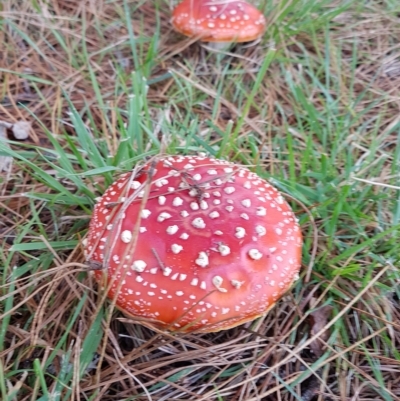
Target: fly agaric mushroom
219,21
194,243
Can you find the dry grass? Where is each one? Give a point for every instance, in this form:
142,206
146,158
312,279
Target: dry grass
314,106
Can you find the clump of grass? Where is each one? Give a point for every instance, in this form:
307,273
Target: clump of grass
313,108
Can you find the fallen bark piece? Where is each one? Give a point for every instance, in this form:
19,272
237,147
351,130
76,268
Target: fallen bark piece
20,131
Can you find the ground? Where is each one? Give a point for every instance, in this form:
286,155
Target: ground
313,107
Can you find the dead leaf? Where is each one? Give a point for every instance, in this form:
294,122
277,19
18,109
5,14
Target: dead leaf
5,161
319,318
21,130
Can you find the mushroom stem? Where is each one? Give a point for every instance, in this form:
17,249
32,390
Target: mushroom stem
217,46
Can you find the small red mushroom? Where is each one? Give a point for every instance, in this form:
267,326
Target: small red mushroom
219,21
194,243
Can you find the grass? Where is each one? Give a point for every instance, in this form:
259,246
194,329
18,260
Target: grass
313,107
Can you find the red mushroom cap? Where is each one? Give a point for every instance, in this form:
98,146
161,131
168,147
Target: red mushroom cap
199,243
219,20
